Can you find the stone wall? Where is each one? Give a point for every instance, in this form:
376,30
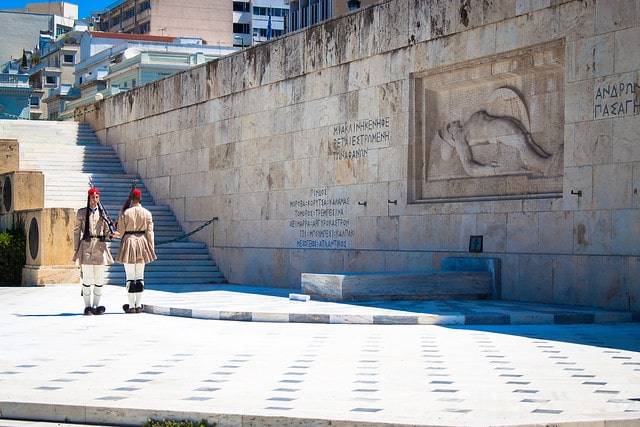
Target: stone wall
384,139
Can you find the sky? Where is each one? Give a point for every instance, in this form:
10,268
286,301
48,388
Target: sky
85,7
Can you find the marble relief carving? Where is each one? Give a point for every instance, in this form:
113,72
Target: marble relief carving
490,134
490,130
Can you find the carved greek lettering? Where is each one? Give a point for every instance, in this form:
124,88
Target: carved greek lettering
615,99
353,140
321,220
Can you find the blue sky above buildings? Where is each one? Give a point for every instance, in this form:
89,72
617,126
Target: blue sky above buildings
85,7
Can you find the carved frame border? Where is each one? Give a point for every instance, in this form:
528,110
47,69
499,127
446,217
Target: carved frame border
543,63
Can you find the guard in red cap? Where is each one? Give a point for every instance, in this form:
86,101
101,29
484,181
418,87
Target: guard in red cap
135,225
90,234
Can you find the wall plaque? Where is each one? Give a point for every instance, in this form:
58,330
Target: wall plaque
490,128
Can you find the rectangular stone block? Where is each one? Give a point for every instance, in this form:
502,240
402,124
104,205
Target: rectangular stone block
41,275
21,191
48,232
411,285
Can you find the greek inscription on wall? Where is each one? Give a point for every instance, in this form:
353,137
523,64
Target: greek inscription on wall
352,140
615,99
320,221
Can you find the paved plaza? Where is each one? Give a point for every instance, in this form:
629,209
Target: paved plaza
295,363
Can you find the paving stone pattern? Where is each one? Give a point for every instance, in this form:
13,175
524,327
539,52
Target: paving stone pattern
123,368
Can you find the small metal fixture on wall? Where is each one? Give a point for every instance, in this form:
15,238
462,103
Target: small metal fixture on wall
353,4
475,244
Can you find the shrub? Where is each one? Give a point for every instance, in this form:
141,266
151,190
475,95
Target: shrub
12,256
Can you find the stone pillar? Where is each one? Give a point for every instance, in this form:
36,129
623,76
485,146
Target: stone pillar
48,231
49,234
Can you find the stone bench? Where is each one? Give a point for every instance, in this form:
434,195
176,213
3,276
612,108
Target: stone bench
459,278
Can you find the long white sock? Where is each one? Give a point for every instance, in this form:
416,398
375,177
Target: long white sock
86,294
97,293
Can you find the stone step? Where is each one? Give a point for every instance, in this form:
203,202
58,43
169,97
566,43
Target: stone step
60,159
163,267
89,154
70,167
68,152
177,253
158,280
169,270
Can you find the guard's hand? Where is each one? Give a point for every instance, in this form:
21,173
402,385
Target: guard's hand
115,235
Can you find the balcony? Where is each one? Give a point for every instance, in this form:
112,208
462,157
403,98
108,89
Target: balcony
14,80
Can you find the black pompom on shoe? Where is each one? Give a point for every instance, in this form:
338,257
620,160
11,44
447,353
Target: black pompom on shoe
88,311
125,308
100,309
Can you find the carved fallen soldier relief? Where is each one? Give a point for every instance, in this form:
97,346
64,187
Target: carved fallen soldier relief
490,129
483,129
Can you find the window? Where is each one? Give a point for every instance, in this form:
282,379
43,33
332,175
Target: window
130,13
262,32
68,58
60,30
145,28
241,28
240,6
133,83
144,6
34,101
51,80
265,11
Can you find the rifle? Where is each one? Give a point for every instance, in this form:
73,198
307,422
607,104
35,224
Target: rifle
104,213
127,203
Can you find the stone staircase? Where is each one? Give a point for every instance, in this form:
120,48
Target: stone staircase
69,154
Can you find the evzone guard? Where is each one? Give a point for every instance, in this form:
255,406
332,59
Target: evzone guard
137,248
93,227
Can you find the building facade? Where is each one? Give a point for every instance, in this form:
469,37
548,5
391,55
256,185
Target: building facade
257,21
20,31
115,62
217,22
37,31
304,13
60,8
53,69
210,20
15,94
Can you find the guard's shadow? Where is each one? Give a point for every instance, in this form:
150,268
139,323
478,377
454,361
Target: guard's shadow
49,315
